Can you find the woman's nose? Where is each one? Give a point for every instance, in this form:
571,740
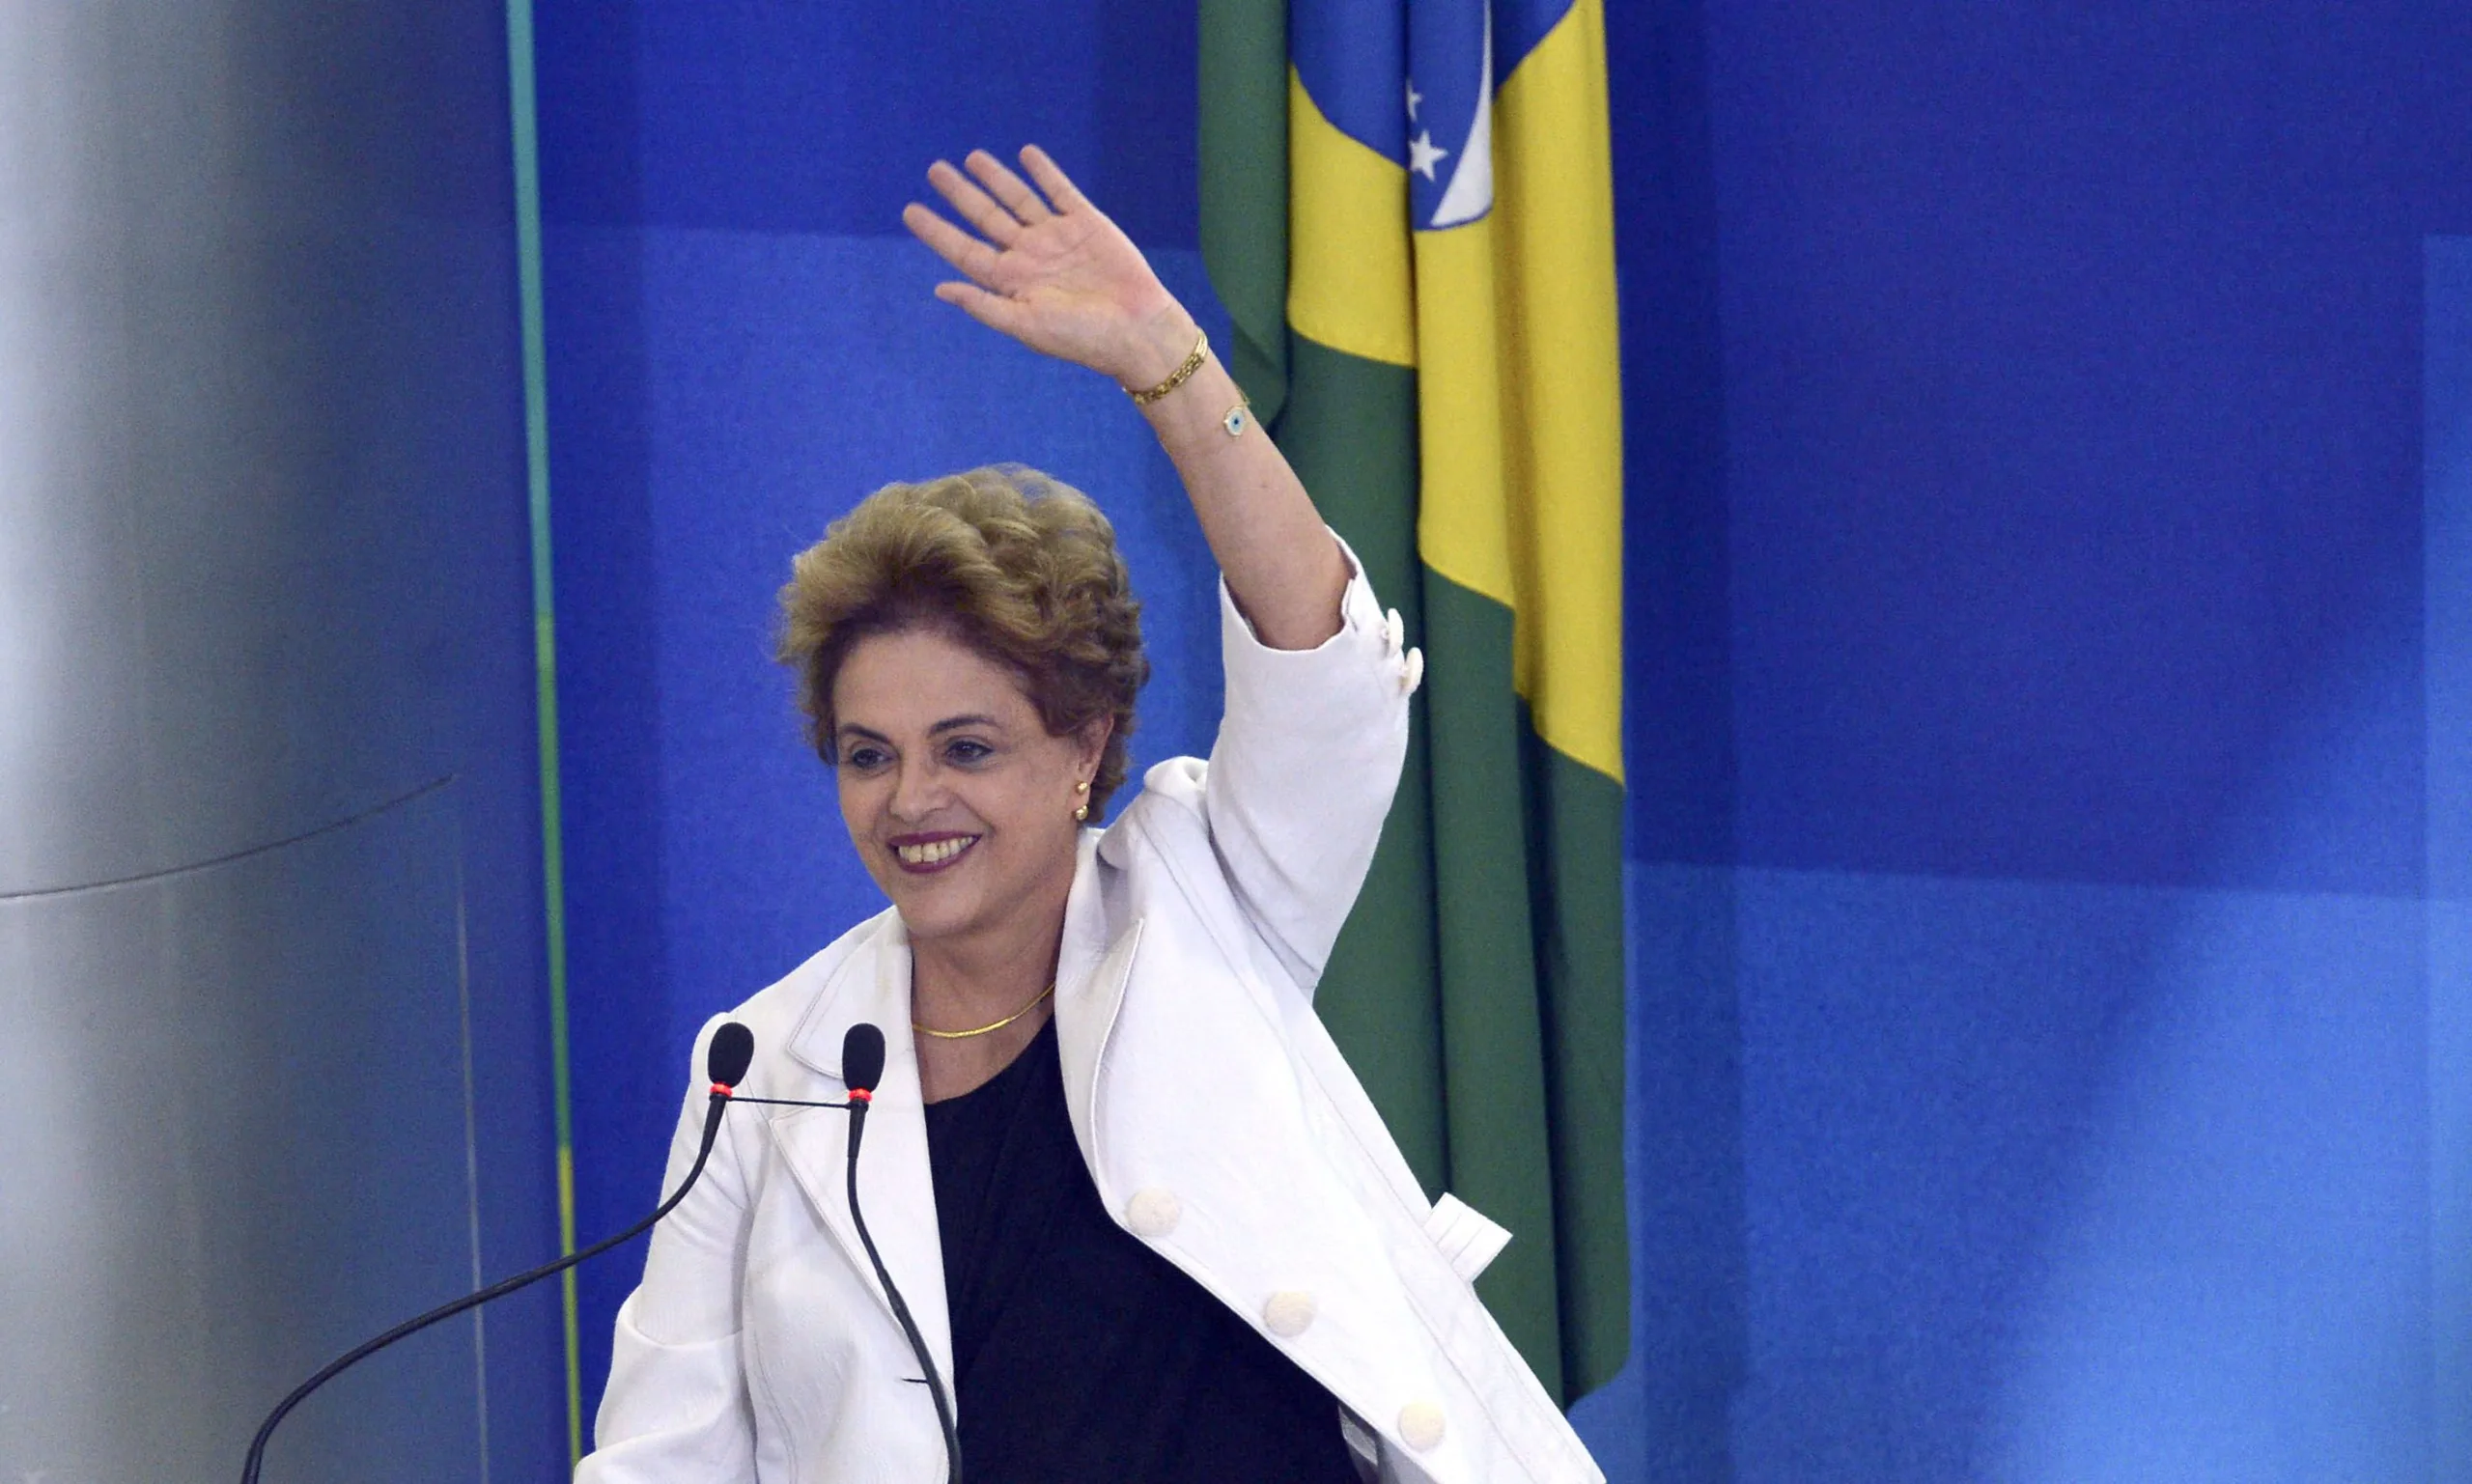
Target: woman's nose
916,791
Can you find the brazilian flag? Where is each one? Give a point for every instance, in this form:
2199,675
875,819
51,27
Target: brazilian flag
1407,208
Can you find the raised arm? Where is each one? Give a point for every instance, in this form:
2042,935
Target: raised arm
1047,267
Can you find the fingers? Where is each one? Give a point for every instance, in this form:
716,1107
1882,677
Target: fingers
1006,187
1000,226
1052,180
951,243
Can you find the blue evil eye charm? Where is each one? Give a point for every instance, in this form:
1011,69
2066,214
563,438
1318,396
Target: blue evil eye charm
1239,417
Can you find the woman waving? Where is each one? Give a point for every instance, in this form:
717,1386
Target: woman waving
1148,1225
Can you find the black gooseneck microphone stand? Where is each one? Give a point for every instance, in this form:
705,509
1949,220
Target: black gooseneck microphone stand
725,1061
863,1064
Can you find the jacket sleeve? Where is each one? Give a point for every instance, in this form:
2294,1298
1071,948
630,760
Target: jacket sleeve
677,1406
1302,775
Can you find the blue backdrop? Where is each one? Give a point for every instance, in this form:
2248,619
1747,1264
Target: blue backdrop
2050,682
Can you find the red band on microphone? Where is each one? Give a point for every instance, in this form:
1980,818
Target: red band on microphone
862,1095
721,1089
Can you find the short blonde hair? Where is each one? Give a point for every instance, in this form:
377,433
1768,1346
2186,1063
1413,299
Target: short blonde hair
1019,567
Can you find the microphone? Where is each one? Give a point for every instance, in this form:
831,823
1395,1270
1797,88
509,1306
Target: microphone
862,1066
725,1060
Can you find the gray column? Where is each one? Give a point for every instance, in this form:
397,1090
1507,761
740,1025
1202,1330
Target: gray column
268,907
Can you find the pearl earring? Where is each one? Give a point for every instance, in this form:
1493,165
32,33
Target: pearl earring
1082,811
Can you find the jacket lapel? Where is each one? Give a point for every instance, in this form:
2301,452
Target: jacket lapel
1092,968
897,1186
896,1189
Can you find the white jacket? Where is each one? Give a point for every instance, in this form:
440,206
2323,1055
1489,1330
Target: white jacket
1218,1120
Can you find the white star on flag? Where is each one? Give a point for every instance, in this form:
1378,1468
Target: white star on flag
1422,156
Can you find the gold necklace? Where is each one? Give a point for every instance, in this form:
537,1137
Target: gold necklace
964,1035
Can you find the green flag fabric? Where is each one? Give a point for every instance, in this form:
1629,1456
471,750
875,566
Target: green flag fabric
1407,208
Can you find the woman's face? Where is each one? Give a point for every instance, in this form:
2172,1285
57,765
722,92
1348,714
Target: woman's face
956,797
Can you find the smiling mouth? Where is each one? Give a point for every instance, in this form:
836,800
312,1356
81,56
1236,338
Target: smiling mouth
933,854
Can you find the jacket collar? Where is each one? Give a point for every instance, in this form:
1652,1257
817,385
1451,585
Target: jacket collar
1091,968
871,984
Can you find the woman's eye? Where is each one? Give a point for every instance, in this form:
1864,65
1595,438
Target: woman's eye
967,750
863,758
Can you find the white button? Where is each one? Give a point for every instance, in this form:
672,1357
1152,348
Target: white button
1415,672
1393,632
1288,1314
1153,1214
1421,1425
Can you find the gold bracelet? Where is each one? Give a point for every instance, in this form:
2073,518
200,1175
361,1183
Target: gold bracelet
1183,374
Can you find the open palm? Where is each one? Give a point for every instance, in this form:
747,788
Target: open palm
1047,267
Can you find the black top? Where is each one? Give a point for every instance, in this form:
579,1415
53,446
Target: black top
1079,1353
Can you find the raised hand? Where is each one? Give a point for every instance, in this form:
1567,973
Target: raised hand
1047,267
1050,270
